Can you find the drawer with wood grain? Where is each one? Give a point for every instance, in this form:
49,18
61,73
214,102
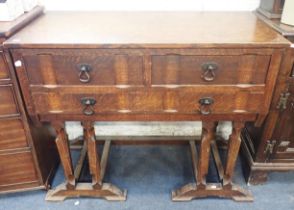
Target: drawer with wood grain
12,134
190,100
4,74
209,69
8,104
18,168
54,81
84,67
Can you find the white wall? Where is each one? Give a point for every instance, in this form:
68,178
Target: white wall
198,5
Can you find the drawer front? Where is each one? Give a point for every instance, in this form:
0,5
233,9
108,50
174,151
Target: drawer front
12,134
157,100
17,168
4,75
88,68
8,105
190,69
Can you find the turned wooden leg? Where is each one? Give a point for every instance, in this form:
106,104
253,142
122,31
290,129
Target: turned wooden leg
64,154
208,134
93,157
233,151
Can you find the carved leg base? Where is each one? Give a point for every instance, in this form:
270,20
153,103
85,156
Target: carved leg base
107,191
190,191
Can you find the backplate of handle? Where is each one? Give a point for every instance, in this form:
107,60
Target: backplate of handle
88,104
209,71
84,73
205,105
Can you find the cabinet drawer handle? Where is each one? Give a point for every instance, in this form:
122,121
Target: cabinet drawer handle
209,70
84,74
205,105
88,104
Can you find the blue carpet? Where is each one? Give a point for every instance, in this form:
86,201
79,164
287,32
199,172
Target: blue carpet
150,173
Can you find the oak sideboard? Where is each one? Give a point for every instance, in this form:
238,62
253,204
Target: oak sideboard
148,66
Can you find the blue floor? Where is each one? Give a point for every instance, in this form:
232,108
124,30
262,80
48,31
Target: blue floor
150,173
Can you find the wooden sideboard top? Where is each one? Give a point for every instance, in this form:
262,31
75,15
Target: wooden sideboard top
8,28
146,30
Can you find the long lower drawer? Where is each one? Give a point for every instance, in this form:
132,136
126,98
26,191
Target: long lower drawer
189,100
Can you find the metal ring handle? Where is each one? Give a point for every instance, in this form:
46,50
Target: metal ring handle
209,70
88,110
204,110
84,74
88,106
205,105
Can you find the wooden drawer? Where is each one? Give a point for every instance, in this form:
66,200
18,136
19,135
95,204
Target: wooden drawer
210,69
4,74
80,67
12,134
16,168
8,105
156,100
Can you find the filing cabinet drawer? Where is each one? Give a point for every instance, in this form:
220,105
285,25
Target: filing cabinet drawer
8,105
84,67
12,134
210,69
4,74
17,168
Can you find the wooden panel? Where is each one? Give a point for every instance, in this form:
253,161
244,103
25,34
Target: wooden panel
4,75
284,130
17,168
7,101
157,100
183,69
64,69
12,134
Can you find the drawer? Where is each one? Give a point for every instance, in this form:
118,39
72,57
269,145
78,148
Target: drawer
12,134
156,100
16,168
4,74
210,69
8,105
85,67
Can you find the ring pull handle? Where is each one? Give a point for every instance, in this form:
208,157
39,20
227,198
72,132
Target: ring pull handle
88,104
84,74
209,71
205,105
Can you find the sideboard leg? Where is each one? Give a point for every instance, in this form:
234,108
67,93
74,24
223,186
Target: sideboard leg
187,192
93,157
208,132
225,187
232,155
97,188
66,162
64,154
98,167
